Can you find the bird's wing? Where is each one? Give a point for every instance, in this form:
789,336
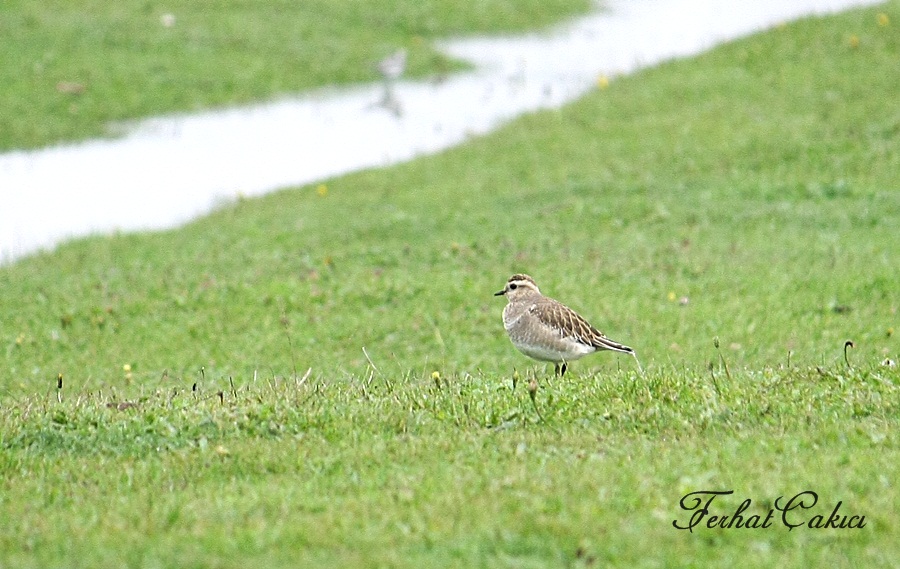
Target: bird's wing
570,324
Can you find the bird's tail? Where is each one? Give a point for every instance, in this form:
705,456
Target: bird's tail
604,343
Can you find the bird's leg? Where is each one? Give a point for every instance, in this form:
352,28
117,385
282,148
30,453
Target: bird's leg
556,370
563,369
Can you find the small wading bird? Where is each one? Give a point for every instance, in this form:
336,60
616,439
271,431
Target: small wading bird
393,66
548,330
391,69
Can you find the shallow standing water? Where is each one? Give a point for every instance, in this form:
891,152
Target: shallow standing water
168,170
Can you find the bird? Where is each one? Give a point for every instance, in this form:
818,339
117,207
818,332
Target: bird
391,69
393,66
546,329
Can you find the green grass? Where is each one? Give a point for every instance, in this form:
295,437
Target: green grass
758,181
70,68
393,470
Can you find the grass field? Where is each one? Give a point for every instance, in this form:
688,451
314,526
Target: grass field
69,68
258,388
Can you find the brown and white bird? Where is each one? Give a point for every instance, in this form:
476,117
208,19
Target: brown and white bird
548,330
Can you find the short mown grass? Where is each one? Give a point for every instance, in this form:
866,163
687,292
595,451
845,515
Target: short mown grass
258,388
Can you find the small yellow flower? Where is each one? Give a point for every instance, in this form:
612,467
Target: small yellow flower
436,375
322,190
603,82
854,41
671,296
883,20
20,339
126,368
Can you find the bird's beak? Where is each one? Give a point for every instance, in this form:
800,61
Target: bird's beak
500,293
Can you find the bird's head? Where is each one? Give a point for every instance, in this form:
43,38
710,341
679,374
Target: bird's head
518,285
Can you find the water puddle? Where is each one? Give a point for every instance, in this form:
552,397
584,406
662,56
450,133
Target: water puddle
168,170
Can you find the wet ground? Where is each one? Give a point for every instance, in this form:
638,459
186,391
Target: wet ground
165,171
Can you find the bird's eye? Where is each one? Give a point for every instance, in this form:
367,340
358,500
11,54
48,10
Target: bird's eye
513,286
